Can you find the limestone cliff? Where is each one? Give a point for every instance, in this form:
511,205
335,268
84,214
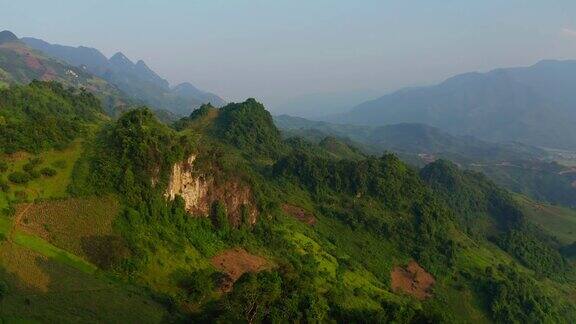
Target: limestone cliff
200,191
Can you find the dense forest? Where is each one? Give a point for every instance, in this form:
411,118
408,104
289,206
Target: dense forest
260,229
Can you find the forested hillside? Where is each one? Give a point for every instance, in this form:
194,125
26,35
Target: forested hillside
218,218
524,169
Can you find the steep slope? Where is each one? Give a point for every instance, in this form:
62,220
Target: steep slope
48,249
532,105
7,37
137,80
19,64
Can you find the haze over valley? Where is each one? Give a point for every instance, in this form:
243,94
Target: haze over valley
288,162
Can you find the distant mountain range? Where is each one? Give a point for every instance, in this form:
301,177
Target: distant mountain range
137,80
20,64
411,139
321,104
535,105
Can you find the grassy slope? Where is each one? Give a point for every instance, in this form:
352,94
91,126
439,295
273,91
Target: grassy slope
49,283
44,187
44,289
39,245
558,221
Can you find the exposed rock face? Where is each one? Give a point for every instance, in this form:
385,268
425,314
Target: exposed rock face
200,191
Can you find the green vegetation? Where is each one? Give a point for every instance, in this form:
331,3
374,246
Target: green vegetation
541,181
558,221
249,127
517,167
48,172
45,248
471,193
19,177
44,115
329,230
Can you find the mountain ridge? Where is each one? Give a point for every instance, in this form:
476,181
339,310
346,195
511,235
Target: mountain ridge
135,79
525,104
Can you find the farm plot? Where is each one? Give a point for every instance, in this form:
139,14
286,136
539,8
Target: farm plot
82,226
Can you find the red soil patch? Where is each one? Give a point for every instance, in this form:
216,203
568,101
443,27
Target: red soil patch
412,280
32,62
236,262
299,213
49,74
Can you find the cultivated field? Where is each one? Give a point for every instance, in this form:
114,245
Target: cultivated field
83,226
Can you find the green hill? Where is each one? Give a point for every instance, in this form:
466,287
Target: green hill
520,168
219,219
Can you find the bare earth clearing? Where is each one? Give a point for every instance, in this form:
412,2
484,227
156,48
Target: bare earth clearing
236,262
299,213
412,280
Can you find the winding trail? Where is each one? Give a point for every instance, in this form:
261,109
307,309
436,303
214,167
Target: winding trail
17,221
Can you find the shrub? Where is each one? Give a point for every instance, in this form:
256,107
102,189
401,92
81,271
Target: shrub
3,166
220,217
4,186
34,174
20,195
32,163
48,172
19,177
199,284
3,289
60,164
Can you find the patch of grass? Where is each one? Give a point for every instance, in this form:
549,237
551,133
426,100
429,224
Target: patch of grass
326,262
44,290
5,225
559,222
43,187
162,272
39,245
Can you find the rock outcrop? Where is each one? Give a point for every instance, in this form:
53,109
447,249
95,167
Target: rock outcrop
200,191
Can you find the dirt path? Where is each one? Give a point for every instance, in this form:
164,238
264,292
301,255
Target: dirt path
17,221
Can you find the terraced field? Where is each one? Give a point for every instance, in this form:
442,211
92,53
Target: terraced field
78,225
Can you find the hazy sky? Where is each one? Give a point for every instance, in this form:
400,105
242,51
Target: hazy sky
277,49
